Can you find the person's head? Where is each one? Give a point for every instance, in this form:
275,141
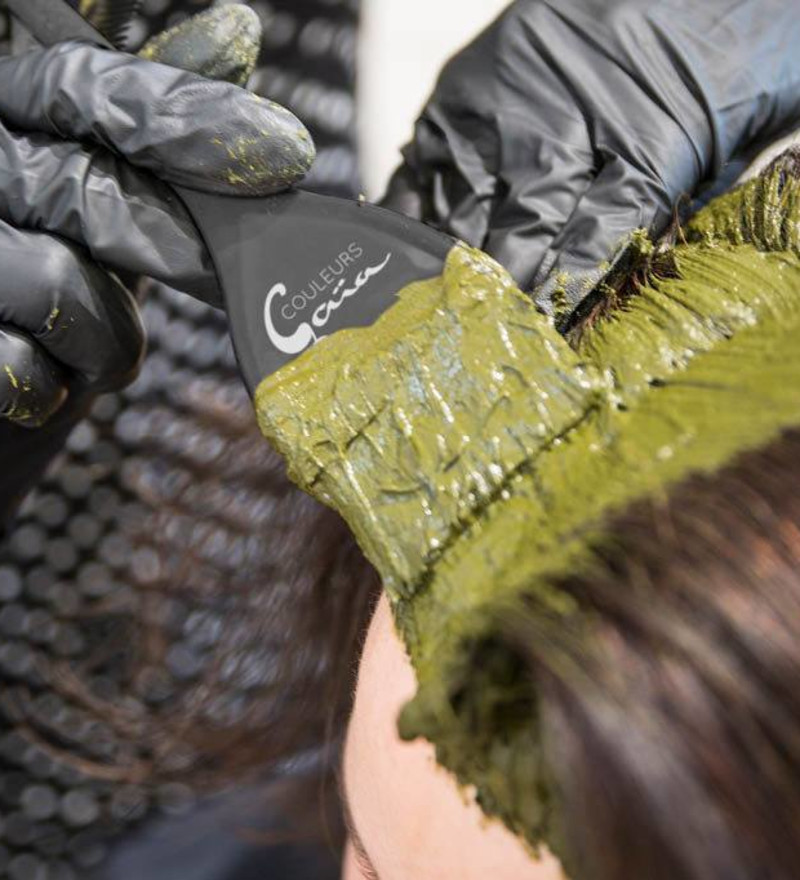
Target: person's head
635,701
674,741
667,716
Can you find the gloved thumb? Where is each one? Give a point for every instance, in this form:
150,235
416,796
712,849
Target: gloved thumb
557,233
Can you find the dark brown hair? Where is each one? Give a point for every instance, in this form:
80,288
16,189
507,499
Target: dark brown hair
673,732
296,589
275,596
673,729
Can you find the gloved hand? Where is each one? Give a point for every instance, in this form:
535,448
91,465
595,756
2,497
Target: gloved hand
87,139
68,328
569,124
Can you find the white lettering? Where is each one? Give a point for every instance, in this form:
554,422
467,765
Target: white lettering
299,340
304,335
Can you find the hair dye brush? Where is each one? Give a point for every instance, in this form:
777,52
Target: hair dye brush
113,18
293,267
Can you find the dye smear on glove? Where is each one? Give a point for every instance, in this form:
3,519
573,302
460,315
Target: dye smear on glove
221,43
476,456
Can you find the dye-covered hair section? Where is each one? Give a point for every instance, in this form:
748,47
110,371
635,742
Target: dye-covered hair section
669,713
478,457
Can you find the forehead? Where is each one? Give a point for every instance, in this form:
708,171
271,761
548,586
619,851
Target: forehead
413,818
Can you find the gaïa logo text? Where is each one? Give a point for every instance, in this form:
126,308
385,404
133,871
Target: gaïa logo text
308,332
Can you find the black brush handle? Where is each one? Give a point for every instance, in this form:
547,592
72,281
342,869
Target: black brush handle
298,266
55,21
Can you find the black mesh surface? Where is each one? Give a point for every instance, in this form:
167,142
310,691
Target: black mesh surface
80,572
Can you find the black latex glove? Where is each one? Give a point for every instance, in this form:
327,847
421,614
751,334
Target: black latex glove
86,138
570,123
164,120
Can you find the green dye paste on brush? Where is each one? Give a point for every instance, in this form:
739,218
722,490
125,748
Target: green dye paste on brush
414,423
476,456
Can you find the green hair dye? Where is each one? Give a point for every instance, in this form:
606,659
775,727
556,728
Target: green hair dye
477,456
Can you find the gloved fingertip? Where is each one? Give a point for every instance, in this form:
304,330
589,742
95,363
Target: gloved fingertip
222,43
31,387
270,150
31,419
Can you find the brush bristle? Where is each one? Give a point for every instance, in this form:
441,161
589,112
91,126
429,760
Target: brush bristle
112,18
